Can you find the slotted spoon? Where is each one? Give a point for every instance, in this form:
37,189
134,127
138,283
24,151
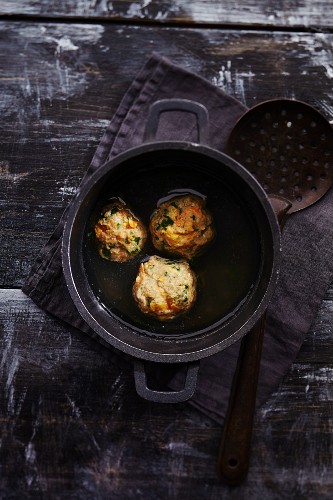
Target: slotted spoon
288,146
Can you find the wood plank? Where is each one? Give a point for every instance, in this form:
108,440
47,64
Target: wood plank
61,84
287,13
73,426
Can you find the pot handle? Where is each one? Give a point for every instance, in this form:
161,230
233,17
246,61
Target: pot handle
165,396
163,105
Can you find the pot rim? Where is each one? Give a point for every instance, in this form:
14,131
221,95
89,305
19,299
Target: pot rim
83,308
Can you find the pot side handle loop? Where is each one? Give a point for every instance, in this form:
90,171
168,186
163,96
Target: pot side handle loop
164,105
165,396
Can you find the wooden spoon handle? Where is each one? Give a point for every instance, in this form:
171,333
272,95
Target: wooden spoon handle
234,453
233,460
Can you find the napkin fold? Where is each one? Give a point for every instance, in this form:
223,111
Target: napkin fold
307,257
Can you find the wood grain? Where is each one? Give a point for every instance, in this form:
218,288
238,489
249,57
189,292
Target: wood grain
56,107
72,425
77,429
286,13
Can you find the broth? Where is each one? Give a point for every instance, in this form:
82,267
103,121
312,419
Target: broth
227,271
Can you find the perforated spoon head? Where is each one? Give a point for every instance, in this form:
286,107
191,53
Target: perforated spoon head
288,146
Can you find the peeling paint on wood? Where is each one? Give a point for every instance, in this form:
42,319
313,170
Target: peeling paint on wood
69,405
71,421
56,108
306,13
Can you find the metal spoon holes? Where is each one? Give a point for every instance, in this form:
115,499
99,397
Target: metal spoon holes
233,462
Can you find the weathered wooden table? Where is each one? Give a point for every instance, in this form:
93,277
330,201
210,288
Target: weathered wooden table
72,426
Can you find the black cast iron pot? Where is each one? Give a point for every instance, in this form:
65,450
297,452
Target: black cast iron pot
236,275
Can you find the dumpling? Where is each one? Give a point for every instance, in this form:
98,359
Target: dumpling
182,226
164,288
121,235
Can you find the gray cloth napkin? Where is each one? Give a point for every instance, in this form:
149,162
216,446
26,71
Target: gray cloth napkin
307,262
